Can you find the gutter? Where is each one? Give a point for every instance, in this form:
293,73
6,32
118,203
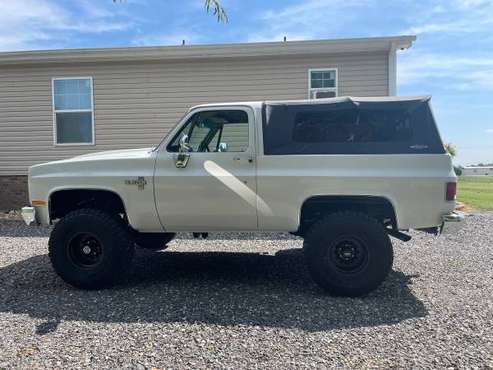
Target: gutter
193,52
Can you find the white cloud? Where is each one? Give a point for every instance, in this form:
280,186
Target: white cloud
28,24
308,20
450,71
456,16
446,63
489,131
321,18
473,3
440,27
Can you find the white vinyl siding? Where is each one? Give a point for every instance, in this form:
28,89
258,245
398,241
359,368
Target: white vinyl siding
137,103
73,115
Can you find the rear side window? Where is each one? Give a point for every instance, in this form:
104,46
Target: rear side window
349,127
352,126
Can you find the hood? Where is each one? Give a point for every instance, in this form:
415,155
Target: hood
111,154
87,161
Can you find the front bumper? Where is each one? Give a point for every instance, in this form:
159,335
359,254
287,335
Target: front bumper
452,222
28,215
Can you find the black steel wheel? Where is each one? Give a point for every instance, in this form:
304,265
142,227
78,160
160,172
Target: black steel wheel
85,250
348,254
90,249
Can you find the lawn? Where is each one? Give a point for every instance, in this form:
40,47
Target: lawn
476,192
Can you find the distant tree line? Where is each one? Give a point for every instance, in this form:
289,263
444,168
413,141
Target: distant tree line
452,150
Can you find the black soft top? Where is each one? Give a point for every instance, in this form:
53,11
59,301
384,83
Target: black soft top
351,125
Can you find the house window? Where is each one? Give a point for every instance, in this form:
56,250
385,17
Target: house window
322,83
73,117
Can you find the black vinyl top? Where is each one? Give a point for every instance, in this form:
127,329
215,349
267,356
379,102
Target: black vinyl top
348,125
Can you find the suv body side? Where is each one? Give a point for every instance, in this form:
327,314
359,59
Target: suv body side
211,194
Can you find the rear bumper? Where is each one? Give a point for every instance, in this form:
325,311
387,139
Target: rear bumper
452,222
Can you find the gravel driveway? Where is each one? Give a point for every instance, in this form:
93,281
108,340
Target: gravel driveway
242,301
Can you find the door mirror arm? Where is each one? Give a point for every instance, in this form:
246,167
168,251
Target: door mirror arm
184,145
183,152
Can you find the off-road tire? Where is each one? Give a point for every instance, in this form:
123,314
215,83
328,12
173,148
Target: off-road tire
154,241
324,242
116,249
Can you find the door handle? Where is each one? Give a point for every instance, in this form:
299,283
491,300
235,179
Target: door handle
238,159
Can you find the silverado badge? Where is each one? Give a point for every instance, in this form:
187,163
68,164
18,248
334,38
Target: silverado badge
139,181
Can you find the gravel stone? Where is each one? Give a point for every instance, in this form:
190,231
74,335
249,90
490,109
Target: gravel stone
246,301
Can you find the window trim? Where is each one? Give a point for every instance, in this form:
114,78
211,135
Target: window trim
54,111
327,69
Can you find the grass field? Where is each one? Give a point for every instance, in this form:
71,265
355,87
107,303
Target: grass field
476,192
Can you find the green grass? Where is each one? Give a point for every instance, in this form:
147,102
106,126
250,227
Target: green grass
476,192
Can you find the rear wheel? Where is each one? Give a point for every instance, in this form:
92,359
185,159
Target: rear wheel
154,241
348,254
90,249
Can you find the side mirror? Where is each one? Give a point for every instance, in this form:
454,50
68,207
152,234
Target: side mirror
183,155
223,147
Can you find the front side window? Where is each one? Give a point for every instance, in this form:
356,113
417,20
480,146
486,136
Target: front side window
322,83
73,111
215,131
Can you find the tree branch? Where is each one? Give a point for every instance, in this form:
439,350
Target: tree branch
214,5
217,10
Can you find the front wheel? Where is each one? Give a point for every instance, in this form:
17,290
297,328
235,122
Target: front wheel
90,249
348,254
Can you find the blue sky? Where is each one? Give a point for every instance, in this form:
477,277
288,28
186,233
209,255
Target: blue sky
452,58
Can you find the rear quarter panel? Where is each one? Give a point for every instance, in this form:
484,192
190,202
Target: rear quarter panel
414,184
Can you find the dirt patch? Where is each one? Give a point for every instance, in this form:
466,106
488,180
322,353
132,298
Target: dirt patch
465,208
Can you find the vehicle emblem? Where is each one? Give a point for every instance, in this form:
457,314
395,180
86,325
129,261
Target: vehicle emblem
139,181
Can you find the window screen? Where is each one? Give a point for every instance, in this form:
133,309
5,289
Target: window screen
349,127
73,110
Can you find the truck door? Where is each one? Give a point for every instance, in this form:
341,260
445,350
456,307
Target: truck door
205,173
